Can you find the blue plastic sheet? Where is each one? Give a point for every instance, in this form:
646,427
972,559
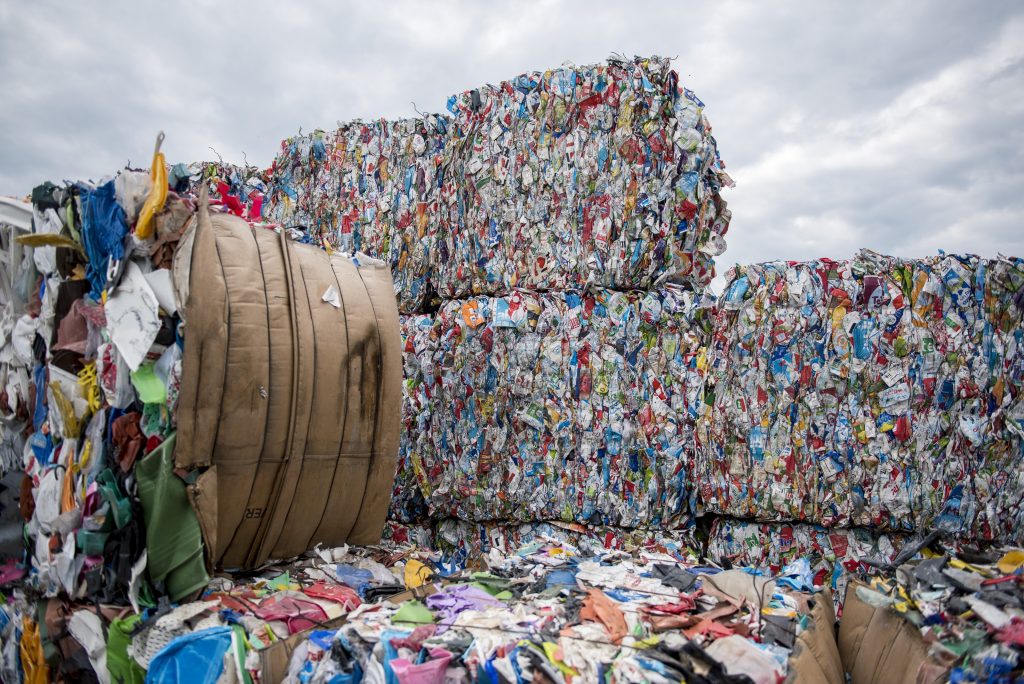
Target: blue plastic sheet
103,233
195,658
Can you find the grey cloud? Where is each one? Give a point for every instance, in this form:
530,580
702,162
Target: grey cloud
897,126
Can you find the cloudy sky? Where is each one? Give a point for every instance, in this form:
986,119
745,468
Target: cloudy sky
897,126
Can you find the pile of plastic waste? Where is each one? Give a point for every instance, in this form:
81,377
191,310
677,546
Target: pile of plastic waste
549,611
546,608
603,473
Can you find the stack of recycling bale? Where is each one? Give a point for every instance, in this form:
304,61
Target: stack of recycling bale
872,392
551,241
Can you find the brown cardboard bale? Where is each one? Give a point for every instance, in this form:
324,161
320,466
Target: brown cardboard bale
289,404
879,647
815,656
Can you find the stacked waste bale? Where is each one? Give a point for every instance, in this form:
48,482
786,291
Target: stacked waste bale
550,241
557,406
600,175
126,305
17,330
876,392
470,540
833,555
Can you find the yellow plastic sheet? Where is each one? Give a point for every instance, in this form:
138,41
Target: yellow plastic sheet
416,574
33,663
1011,562
157,193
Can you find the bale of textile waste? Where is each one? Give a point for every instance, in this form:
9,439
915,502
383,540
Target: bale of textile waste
872,392
91,366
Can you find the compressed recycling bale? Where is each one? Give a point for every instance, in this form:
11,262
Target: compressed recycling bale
995,489
876,392
597,175
835,555
471,539
600,175
556,406
408,504
402,533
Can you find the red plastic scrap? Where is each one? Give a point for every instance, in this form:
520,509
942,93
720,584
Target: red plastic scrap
1013,633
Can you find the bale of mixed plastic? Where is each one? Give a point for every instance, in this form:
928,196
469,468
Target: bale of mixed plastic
874,392
468,540
605,175
556,406
833,556
597,175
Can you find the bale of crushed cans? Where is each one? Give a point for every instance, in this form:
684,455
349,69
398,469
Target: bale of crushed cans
600,175
876,392
554,406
